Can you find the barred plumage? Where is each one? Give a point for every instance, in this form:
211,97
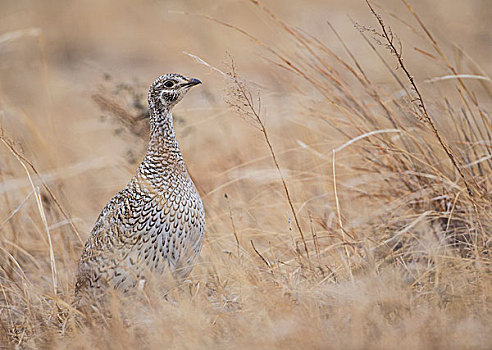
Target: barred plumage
157,220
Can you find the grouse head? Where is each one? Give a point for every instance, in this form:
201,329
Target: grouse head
167,90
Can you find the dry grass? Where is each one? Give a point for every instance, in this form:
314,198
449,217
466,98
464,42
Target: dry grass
346,172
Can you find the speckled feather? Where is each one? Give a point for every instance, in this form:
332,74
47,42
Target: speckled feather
157,221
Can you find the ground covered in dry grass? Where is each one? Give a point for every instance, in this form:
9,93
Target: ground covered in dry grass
345,164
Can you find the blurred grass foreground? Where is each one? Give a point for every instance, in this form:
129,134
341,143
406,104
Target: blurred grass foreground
343,151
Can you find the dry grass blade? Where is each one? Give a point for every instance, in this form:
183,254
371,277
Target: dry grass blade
39,203
246,98
55,200
388,36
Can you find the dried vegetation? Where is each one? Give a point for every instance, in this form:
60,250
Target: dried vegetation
362,220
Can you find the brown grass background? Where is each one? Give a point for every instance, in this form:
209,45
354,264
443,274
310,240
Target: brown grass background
403,259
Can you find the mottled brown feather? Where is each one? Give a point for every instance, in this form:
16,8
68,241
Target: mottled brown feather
157,221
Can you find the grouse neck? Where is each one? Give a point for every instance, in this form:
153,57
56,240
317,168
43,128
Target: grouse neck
163,141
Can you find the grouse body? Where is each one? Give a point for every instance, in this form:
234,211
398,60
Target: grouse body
157,221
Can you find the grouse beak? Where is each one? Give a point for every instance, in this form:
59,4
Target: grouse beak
193,82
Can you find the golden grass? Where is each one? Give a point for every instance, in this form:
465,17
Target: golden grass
346,173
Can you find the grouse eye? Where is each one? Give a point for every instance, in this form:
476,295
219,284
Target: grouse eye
169,83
